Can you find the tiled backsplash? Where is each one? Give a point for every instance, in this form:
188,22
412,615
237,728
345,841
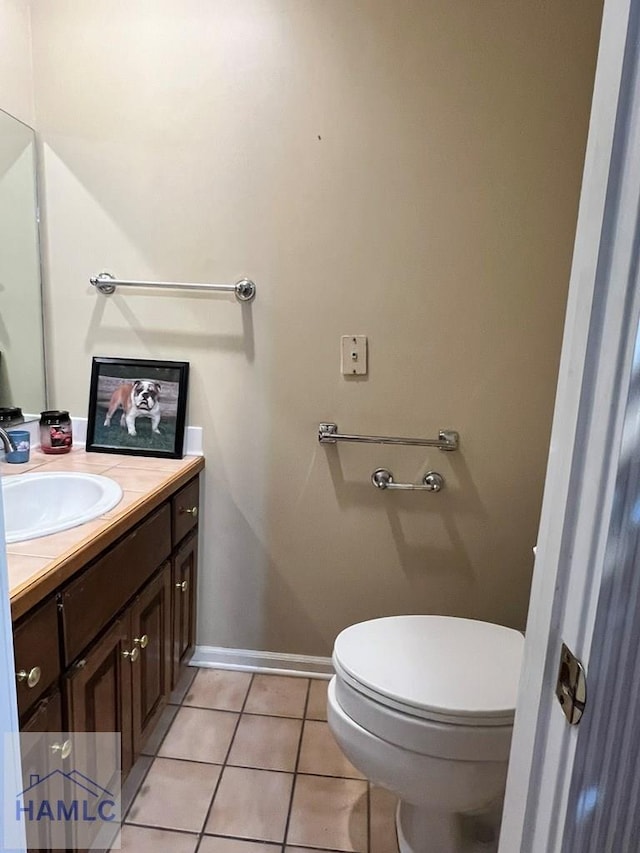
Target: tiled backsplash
192,434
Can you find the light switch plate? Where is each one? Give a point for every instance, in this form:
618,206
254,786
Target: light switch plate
353,355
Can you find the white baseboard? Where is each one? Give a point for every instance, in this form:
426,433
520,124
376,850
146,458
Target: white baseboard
275,663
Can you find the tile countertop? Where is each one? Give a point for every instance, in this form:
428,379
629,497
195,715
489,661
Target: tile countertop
38,566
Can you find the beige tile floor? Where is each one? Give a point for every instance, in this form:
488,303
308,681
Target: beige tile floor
246,763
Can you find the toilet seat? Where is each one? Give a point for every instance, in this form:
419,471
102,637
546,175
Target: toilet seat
419,735
441,669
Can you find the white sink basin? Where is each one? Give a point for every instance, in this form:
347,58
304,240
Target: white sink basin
40,504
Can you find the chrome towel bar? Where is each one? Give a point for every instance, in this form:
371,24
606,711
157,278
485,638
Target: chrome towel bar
431,482
244,290
447,439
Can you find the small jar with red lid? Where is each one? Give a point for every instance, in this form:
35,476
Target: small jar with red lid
55,431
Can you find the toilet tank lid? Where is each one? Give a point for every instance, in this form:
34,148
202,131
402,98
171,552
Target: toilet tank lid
448,666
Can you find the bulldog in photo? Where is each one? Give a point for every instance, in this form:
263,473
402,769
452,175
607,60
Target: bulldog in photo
139,399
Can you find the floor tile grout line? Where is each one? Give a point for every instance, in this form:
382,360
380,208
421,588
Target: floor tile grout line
275,844
203,835
323,849
248,713
192,832
253,767
267,843
199,841
292,772
181,706
188,760
224,763
296,765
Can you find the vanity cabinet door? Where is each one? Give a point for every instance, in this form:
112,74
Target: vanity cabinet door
98,687
185,563
185,506
35,645
46,717
151,627
40,760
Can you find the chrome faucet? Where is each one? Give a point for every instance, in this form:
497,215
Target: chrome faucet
7,441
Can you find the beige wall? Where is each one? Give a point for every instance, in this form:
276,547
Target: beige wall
16,76
408,171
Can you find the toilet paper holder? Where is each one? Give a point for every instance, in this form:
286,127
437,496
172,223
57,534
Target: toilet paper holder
382,478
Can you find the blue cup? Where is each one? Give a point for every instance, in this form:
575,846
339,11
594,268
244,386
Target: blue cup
22,442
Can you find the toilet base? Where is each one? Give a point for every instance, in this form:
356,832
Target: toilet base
421,830
446,805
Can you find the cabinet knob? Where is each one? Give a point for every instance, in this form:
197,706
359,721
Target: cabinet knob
142,641
182,586
133,655
63,748
32,677
189,510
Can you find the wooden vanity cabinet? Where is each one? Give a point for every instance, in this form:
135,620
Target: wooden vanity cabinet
122,683
98,689
46,716
185,508
40,759
151,672
89,603
113,639
37,656
184,586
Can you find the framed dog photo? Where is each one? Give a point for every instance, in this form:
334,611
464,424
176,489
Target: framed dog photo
137,406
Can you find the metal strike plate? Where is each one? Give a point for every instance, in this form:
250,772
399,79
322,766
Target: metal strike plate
571,687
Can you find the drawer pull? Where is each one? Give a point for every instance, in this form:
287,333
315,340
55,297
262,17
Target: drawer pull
142,641
133,655
183,587
189,510
32,677
63,748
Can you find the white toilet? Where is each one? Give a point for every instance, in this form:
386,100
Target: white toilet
424,706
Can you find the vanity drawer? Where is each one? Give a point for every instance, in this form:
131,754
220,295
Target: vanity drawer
89,603
185,506
37,657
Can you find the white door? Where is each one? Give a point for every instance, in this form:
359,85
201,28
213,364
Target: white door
584,572
10,776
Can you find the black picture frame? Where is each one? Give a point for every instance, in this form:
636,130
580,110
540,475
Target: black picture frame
140,394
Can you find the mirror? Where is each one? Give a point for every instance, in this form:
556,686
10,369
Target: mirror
22,371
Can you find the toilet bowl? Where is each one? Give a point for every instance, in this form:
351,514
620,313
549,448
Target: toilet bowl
424,706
